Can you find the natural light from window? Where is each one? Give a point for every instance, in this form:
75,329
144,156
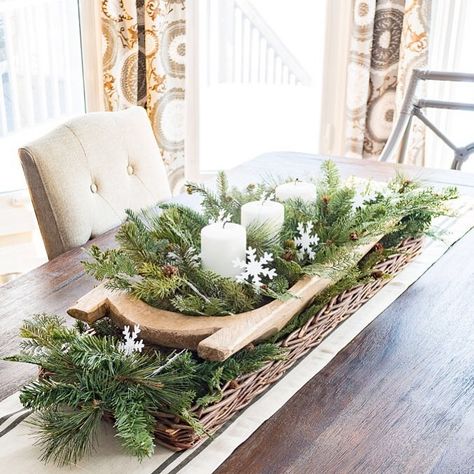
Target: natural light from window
41,81
451,44
260,65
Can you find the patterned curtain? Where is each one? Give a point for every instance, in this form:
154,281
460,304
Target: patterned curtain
144,64
389,39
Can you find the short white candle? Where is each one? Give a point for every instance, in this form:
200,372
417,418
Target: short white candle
296,190
221,245
270,214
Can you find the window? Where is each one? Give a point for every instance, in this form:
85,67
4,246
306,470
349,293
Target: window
41,79
41,85
451,40
258,88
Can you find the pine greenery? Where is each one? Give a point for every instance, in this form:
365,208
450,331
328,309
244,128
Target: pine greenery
85,374
157,258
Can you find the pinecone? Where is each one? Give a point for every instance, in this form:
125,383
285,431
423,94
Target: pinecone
169,270
354,236
289,244
378,247
377,274
405,184
288,255
326,199
329,242
251,187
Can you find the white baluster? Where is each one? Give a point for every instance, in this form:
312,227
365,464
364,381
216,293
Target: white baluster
238,45
255,54
271,66
246,50
278,68
262,61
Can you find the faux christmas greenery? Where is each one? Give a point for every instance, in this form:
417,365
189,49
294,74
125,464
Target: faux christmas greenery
158,261
88,372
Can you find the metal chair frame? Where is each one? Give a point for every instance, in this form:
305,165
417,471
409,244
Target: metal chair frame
412,107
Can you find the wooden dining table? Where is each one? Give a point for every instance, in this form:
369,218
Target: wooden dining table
399,398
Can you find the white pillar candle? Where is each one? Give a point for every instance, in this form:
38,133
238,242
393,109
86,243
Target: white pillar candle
270,214
296,190
221,245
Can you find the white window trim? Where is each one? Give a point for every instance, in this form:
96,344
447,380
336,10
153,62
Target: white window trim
191,160
91,39
333,103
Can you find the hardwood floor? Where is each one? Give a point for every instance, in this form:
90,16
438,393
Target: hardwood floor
398,399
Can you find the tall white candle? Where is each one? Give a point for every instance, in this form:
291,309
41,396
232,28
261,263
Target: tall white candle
270,214
221,245
296,190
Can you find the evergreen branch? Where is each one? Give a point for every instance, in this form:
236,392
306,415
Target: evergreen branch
66,436
134,423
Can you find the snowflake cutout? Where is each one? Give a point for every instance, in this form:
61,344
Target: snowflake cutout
358,201
255,268
222,218
306,241
366,191
131,344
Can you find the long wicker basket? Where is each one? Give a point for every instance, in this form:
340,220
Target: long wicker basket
177,435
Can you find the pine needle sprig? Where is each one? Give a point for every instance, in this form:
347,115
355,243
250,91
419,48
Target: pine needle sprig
134,422
66,436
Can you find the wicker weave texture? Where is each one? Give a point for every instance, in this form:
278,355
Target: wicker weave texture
237,394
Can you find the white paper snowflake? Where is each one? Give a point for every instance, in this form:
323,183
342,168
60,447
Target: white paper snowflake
306,241
358,201
255,269
366,191
222,218
131,344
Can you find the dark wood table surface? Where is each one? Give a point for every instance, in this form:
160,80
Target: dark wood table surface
399,398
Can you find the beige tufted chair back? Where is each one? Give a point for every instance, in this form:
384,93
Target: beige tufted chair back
84,174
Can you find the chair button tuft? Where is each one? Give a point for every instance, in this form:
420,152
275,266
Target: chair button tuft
130,170
93,188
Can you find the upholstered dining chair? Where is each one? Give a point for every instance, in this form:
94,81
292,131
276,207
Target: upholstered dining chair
83,175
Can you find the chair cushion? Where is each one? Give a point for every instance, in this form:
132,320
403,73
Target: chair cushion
84,175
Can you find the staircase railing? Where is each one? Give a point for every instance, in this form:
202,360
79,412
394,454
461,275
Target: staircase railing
250,51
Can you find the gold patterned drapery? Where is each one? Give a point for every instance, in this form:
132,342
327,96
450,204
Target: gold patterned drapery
389,39
144,64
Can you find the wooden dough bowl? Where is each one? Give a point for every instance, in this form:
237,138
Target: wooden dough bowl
214,337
